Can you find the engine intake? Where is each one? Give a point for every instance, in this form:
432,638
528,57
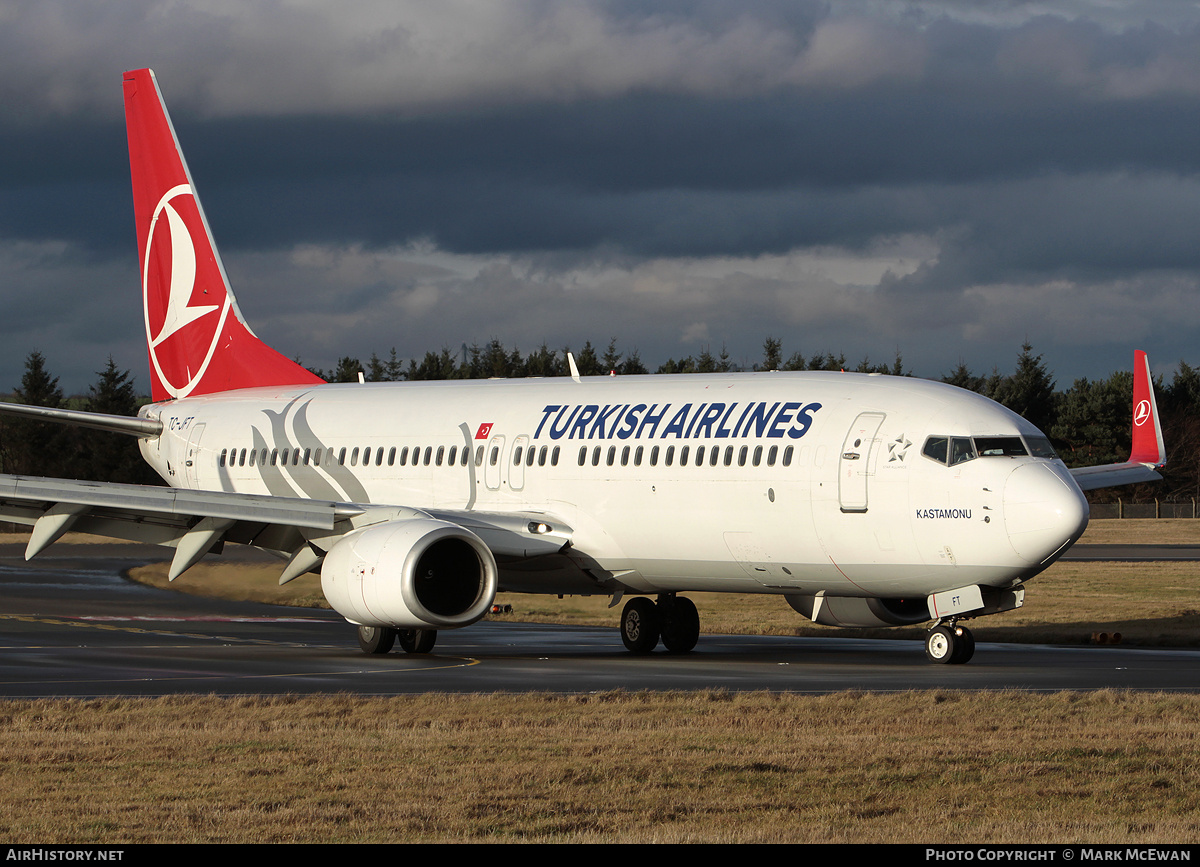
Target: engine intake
410,574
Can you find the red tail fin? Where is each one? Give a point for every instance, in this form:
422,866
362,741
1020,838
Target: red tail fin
1148,445
195,335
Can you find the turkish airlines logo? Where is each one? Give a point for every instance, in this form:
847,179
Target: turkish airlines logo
183,333
1141,412
484,430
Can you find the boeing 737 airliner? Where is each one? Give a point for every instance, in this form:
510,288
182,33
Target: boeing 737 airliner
861,500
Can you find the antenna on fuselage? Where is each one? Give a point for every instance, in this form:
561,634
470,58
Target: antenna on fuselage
574,369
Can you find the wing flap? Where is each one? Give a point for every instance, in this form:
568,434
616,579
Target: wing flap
23,493
195,523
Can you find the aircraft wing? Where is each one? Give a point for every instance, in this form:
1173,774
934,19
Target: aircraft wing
1112,475
195,523
1147,454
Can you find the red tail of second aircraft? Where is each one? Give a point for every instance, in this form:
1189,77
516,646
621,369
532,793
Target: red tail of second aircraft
197,341
1148,445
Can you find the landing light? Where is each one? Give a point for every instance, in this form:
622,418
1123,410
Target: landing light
538,529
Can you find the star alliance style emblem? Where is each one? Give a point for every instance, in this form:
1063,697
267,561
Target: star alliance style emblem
898,448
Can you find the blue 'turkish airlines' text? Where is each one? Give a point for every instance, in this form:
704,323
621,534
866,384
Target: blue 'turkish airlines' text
686,421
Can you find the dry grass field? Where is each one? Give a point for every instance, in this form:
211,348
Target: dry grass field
709,767
919,767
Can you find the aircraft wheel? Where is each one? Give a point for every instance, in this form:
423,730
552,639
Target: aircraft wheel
940,644
640,625
680,624
376,639
964,646
417,640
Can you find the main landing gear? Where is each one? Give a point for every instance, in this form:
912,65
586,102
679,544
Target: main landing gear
949,643
672,619
381,639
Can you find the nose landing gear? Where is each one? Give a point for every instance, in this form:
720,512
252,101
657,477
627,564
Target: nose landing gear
949,643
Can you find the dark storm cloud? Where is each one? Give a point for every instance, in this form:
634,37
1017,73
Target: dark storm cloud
716,167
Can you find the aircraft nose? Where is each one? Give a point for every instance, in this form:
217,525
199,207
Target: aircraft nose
1043,510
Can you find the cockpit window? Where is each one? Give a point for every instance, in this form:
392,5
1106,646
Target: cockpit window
1000,447
936,448
949,450
1040,447
961,450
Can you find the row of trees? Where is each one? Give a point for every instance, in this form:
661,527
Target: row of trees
496,360
38,448
1089,422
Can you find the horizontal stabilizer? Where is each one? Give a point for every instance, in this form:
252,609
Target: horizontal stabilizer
139,427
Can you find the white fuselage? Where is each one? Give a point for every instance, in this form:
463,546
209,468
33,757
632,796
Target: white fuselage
798,483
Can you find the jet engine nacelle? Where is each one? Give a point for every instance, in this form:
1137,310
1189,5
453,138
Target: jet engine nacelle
853,611
410,574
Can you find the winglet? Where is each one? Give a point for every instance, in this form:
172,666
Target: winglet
1148,445
1148,452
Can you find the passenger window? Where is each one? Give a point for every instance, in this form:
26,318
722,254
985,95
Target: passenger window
221,460
452,457
495,456
596,456
787,456
342,457
517,456
757,455
582,455
554,457
531,453
612,455
637,456
772,453
625,456
654,456
441,453
392,456
479,456
683,456
670,455
542,456
742,455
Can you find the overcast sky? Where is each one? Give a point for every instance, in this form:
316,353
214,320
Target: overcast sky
943,180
